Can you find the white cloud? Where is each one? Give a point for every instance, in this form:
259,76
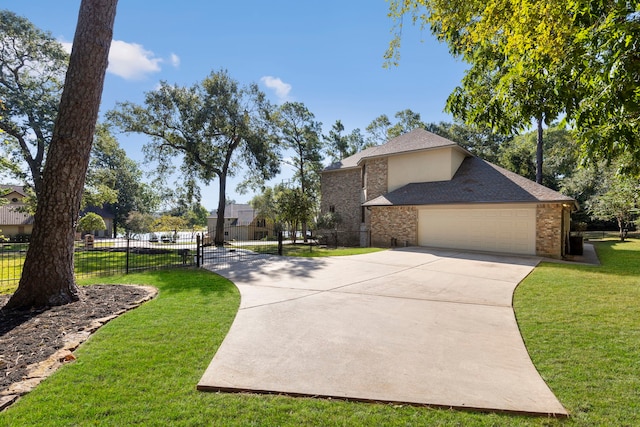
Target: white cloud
280,88
66,46
175,60
131,61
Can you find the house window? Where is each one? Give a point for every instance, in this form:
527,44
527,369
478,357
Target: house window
226,233
362,214
332,209
14,200
261,223
363,178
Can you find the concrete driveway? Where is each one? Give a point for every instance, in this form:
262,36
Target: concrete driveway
414,325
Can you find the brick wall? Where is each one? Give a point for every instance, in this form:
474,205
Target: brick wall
342,190
397,222
549,230
376,177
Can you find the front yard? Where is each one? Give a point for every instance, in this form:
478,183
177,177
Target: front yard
581,326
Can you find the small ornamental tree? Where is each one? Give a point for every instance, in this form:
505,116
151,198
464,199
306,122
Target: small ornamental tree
91,222
619,202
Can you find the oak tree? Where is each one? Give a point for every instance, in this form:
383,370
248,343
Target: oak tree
212,129
32,70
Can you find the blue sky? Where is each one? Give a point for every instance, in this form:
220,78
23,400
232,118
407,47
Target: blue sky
327,55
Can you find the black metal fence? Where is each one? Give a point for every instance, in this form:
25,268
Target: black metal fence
96,257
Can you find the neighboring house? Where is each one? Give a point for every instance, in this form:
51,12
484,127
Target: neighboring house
241,223
14,219
422,189
108,218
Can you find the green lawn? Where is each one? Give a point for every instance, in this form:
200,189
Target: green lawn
90,263
581,325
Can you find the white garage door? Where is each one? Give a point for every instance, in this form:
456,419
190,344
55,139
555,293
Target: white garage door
508,229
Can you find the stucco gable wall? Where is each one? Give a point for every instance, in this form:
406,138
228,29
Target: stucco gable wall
426,166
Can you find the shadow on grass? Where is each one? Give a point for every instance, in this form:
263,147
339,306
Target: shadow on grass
620,258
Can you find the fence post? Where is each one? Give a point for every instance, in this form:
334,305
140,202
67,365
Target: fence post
126,265
280,243
198,249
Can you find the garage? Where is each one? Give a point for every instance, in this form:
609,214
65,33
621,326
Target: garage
499,228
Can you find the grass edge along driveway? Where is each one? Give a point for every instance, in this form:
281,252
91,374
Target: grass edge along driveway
580,325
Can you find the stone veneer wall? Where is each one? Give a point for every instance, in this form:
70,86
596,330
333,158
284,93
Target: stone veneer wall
342,189
394,222
549,230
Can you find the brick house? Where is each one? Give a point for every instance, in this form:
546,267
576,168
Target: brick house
422,189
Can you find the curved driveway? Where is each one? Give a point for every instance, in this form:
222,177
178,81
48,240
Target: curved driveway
413,325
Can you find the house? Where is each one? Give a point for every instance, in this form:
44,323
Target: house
241,222
108,218
423,189
15,220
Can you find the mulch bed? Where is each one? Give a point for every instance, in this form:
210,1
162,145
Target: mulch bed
29,338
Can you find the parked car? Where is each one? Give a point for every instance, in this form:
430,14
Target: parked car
168,238
153,237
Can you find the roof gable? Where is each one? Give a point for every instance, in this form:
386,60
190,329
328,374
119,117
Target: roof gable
476,181
416,140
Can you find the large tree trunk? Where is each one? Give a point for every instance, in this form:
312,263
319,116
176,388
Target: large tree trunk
48,273
539,152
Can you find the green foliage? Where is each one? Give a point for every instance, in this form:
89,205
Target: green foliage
381,129
265,205
329,221
339,146
213,127
294,209
561,158
300,133
619,201
115,181
482,142
32,69
608,114
539,59
196,216
138,223
169,223
91,222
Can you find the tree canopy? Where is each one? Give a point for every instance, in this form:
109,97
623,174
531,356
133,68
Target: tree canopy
215,127
539,59
32,70
339,146
300,133
114,181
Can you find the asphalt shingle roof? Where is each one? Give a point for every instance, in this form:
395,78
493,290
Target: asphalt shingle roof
476,181
11,215
416,140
